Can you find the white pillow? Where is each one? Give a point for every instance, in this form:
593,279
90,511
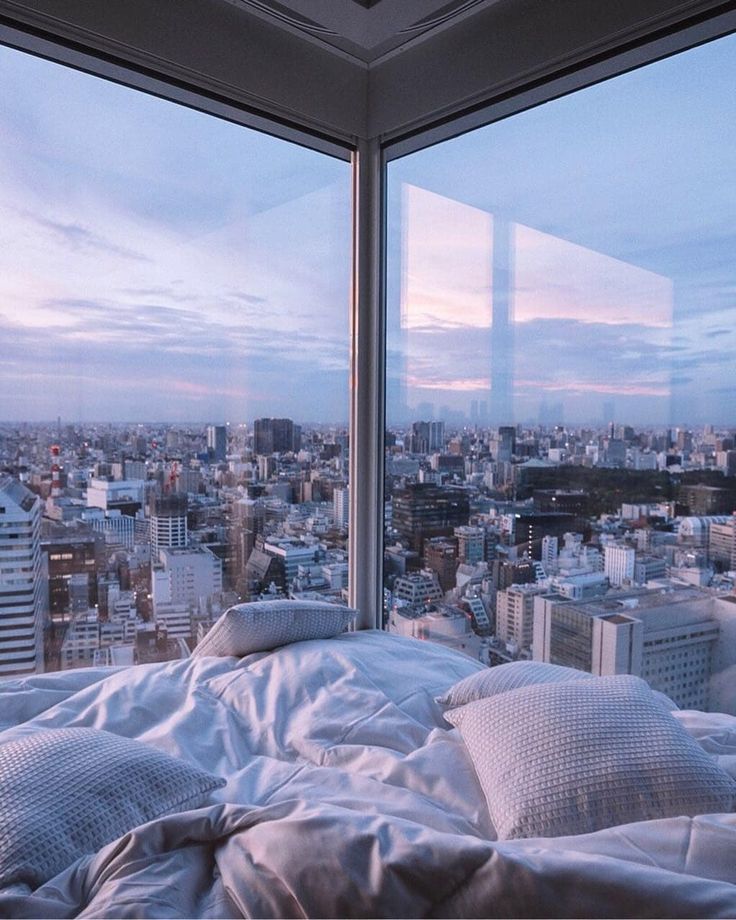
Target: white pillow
505,677
265,625
66,792
575,757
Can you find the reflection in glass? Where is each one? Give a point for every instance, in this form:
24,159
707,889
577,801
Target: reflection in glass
561,445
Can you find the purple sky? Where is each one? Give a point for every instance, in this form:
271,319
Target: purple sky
158,263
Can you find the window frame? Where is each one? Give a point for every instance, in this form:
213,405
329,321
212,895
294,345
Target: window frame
369,159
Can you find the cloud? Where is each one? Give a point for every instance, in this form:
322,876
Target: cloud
78,237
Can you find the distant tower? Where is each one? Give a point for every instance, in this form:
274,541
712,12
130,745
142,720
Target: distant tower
22,584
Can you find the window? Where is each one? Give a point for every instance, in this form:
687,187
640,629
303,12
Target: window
560,379
174,300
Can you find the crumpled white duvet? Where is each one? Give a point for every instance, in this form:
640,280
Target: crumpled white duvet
347,795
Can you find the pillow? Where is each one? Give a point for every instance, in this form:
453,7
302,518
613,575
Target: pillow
505,677
575,757
264,625
66,792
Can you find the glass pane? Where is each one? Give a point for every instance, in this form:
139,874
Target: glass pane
561,444
174,295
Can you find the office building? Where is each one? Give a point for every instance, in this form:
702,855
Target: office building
185,576
440,557
667,638
23,581
276,436
168,522
423,510
470,544
618,564
515,614
124,495
341,507
217,443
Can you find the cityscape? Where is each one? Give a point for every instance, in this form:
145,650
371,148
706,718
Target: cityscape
605,547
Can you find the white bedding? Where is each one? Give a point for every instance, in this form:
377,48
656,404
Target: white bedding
347,795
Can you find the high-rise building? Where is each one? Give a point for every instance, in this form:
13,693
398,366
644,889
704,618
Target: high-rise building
23,583
217,442
168,522
470,544
515,614
185,576
276,436
341,507
618,564
550,550
423,510
506,443
440,555
69,554
667,639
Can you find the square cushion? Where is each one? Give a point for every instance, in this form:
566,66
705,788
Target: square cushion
265,625
505,677
575,757
66,792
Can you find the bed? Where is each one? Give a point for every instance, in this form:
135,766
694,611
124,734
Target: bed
347,793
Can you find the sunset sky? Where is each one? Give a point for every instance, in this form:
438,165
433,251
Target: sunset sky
160,264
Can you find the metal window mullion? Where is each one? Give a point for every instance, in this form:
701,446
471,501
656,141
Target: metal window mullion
367,404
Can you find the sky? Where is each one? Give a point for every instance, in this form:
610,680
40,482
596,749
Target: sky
617,280
157,263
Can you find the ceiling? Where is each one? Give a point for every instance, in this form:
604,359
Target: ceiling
364,30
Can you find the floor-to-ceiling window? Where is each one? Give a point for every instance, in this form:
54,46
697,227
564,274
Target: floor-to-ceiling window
174,304
561,437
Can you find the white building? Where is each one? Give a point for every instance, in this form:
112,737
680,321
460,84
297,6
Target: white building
177,618
341,507
185,576
444,625
618,564
23,582
515,614
416,588
101,493
669,638
169,523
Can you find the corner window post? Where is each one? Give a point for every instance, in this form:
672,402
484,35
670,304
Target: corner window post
367,409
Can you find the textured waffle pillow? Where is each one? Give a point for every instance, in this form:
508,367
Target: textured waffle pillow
264,625
505,677
575,757
66,792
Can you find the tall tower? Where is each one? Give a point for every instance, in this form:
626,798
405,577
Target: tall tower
22,583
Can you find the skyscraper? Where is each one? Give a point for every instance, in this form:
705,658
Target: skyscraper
275,435
22,584
217,442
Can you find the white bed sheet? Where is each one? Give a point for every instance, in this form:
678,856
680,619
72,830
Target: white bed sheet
347,795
